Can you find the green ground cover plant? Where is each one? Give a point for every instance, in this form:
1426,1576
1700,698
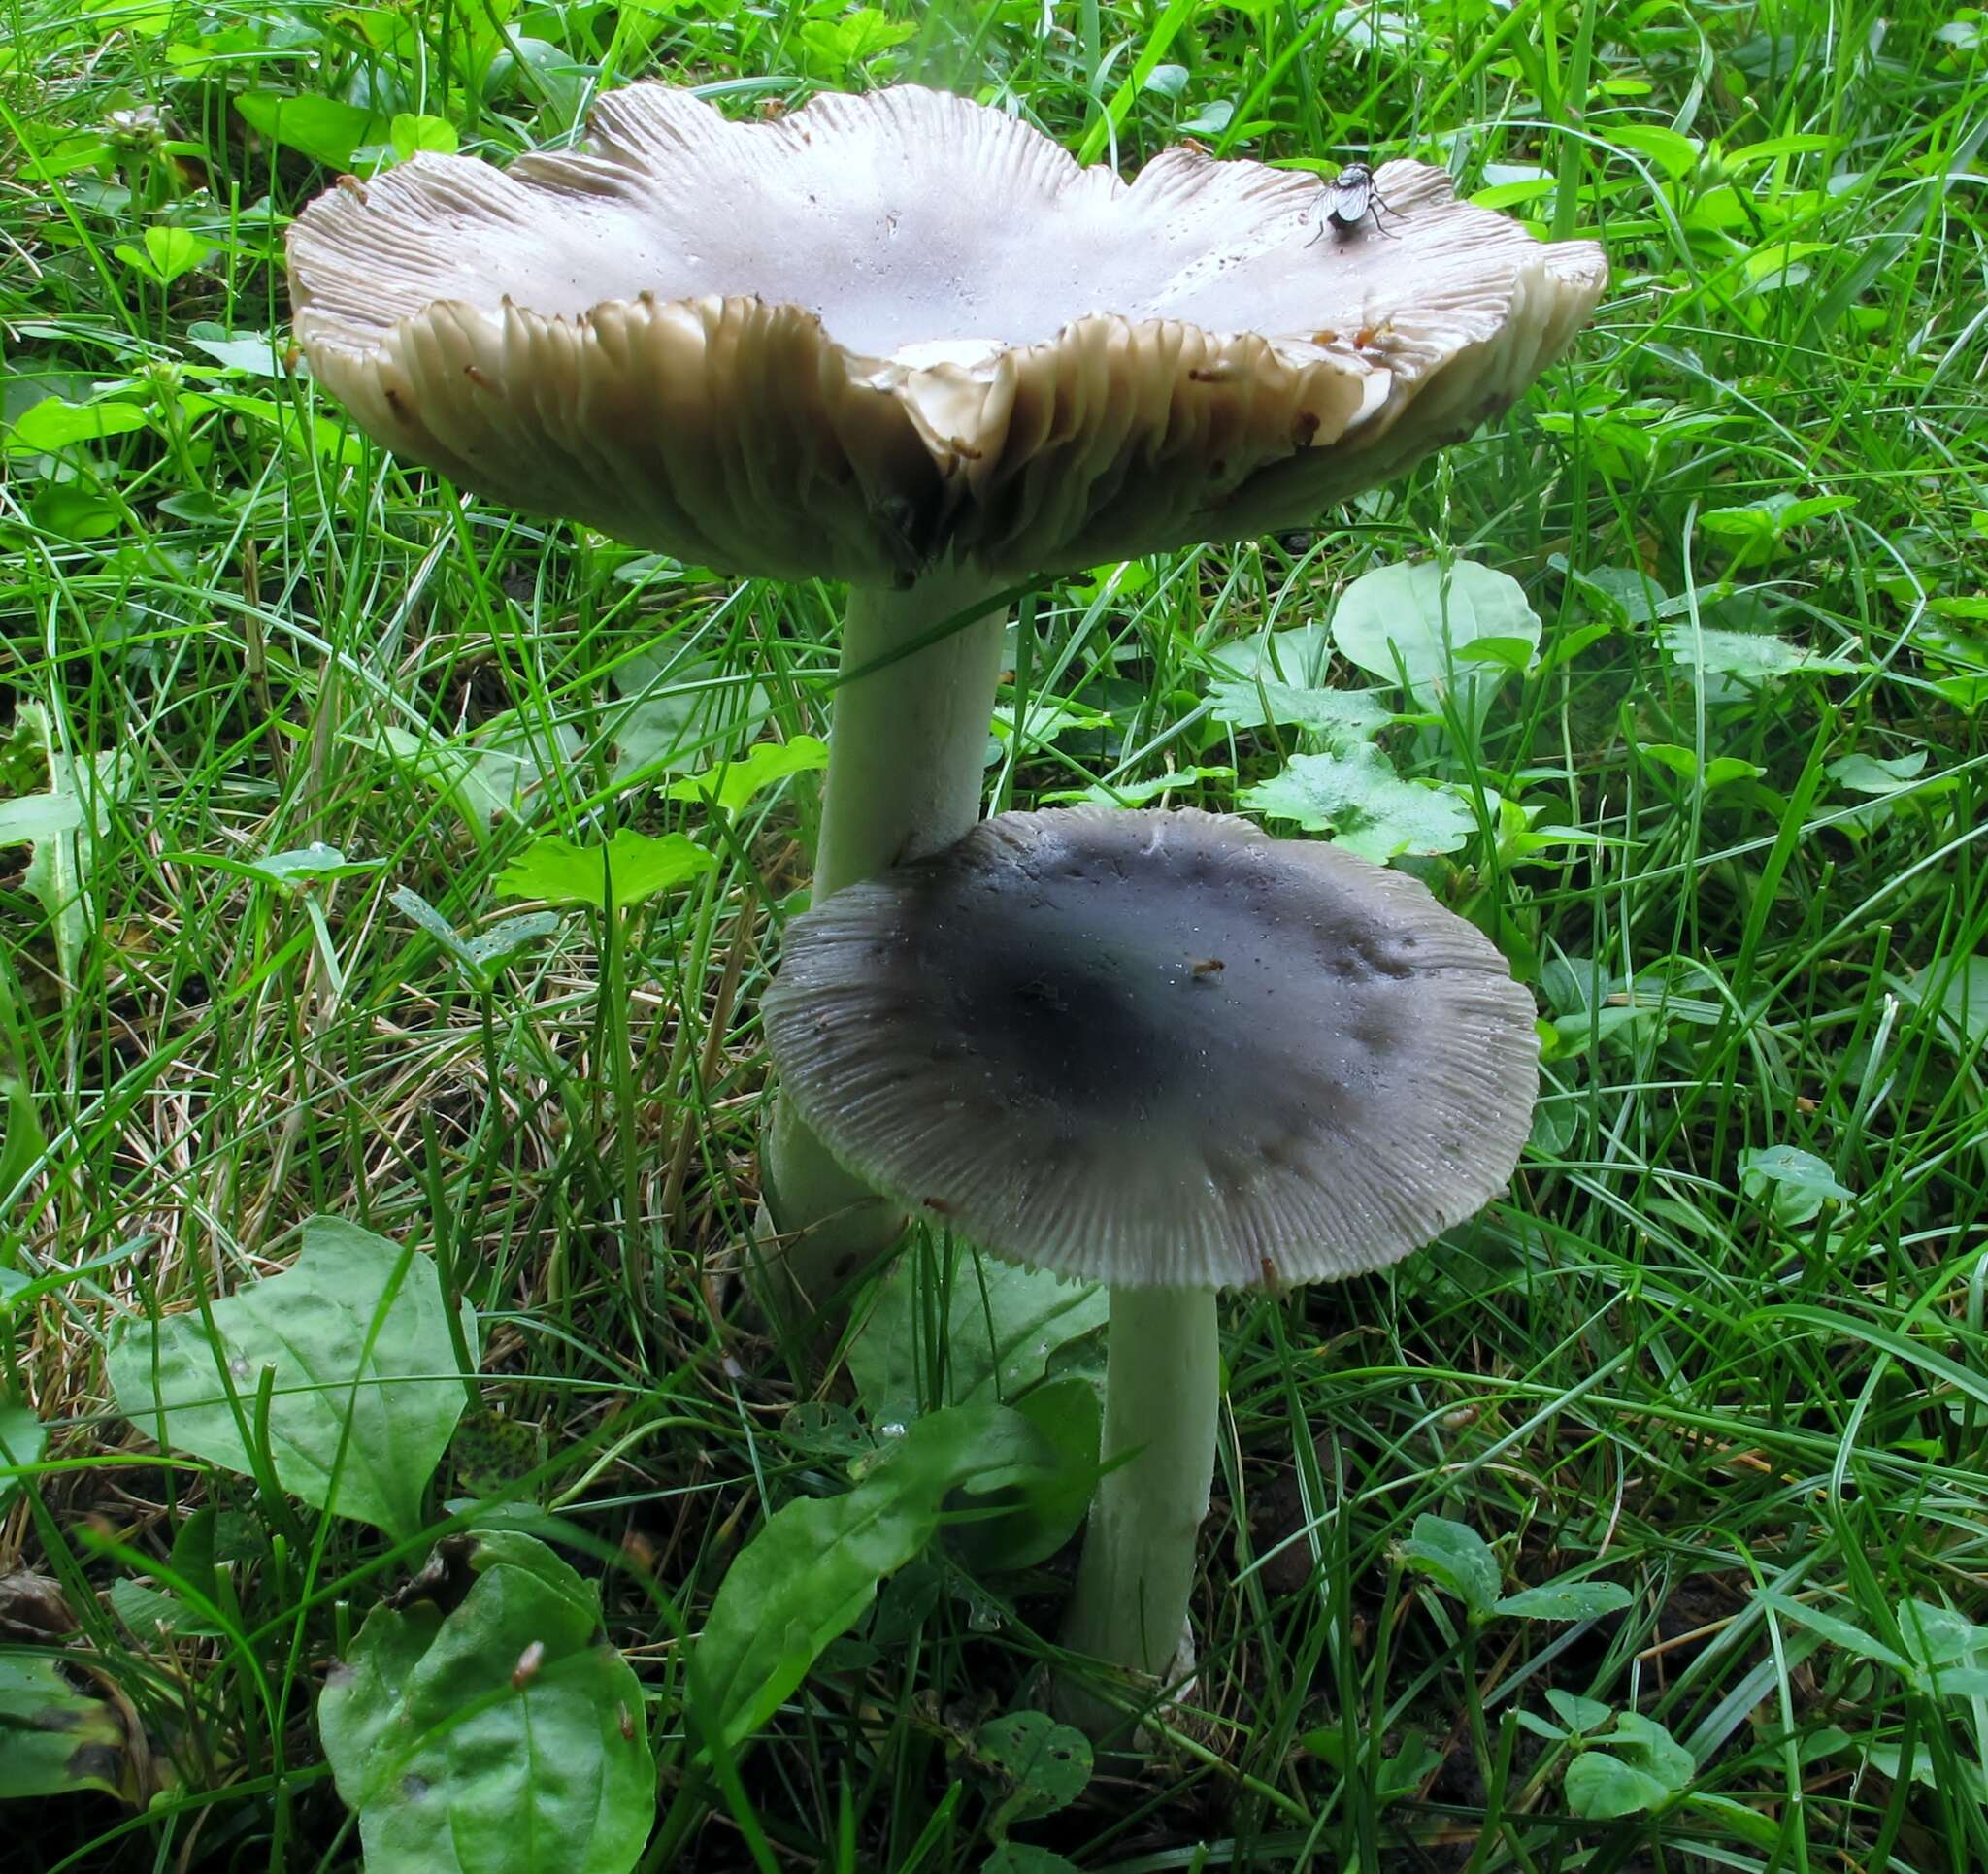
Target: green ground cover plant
390,1474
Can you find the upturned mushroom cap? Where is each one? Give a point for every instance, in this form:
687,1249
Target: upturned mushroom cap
1159,1049
892,329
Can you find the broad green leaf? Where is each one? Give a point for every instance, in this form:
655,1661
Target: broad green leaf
499,775
837,46
410,133
503,1736
1838,1631
822,1429
173,252
23,1440
1507,653
1958,987
150,1612
1936,1771
1755,656
1567,645
414,906
364,1388
1673,152
1717,771
68,511
1404,1772
1801,1183
1040,1513
1364,804
1874,774
30,818
482,957
815,1566
1396,1775
255,354
731,785
1778,264
199,509
1646,1745
1628,592
1043,1765
1004,1322
58,823
1566,1600
53,1739
1296,656
1139,793
1749,1824
53,424
1024,1858
322,436
1770,519
1753,524
629,869
1342,717
1939,1636
490,949
1048,717
322,128
1578,1714
677,717
302,867
1600,1788
22,1145
1421,618
1457,1558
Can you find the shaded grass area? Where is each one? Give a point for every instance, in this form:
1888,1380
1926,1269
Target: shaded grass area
1722,1340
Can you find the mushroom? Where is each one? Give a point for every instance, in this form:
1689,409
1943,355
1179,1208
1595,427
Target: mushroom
907,342
1166,1052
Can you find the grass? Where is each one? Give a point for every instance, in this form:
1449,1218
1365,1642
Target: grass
1723,1342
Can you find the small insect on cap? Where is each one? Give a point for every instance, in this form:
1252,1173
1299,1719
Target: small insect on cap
1159,1049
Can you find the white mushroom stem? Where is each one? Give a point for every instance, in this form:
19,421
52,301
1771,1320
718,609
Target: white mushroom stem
1162,1386
906,766
907,748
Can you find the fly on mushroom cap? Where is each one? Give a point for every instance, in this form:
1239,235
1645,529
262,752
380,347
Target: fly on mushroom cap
1159,1048
886,329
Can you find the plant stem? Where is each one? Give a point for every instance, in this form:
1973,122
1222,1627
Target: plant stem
907,759
1162,1383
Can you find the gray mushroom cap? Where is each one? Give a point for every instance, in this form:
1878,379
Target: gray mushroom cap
893,330
1159,1049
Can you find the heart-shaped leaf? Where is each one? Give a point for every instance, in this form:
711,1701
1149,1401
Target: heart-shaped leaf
814,1567
1043,1765
1457,1558
501,1736
630,869
731,785
1364,804
1416,623
363,1388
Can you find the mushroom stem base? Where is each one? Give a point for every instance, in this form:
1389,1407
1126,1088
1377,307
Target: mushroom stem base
907,767
1162,1386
